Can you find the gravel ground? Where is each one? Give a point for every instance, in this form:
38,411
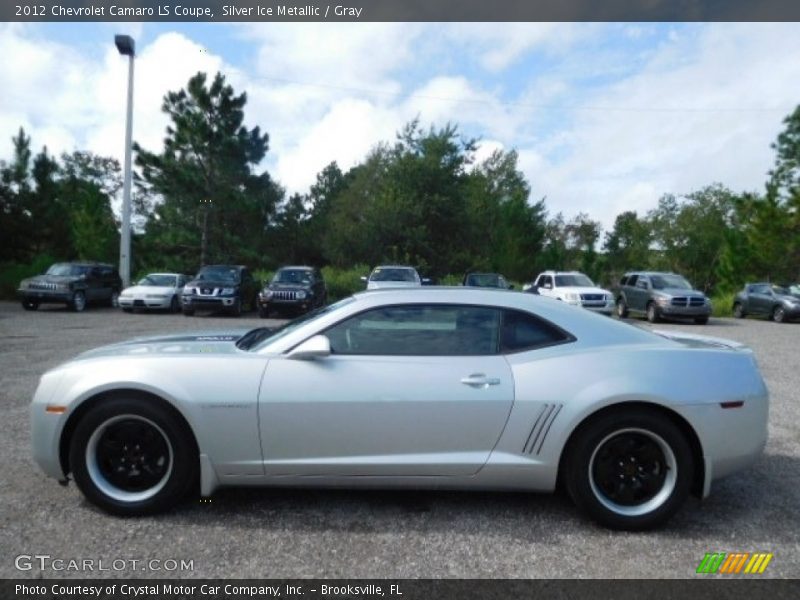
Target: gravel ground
327,534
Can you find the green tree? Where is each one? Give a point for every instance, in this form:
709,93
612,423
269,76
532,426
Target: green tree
627,245
212,205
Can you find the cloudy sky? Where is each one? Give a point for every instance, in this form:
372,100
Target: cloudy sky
605,117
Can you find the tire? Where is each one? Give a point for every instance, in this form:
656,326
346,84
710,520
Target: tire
30,305
127,310
779,314
701,320
175,305
113,301
78,303
263,312
622,308
639,447
236,309
132,457
653,314
738,311
188,312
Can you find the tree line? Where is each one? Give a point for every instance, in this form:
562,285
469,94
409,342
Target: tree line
422,199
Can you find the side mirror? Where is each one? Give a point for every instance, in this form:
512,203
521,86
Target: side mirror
364,278
534,289
318,346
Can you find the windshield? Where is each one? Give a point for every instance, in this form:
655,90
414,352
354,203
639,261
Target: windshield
486,280
68,270
575,280
219,273
662,282
155,280
393,274
292,276
263,336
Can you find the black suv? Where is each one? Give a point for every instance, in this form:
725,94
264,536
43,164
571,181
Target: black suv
220,287
293,288
75,284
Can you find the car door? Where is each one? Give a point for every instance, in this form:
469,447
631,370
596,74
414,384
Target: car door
94,285
761,300
641,293
407,390
545,284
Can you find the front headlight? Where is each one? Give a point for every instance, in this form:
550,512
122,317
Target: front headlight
570,297
662,300
62,287
189,290
266,294
301,295
228,291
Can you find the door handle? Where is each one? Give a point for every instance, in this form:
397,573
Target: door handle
479,380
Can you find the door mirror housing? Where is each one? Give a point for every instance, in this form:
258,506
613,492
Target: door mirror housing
318,346
364,278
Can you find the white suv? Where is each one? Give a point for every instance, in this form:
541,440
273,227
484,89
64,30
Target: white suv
574,288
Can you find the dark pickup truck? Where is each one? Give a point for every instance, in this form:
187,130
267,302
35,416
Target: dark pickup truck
776,302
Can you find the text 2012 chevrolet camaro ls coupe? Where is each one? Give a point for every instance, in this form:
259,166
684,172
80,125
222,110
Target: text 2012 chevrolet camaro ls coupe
425,388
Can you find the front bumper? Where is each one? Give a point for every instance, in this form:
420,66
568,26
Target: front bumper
685,311
198,302
46,296
286,303
155,303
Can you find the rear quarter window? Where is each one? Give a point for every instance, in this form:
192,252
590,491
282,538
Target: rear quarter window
523,331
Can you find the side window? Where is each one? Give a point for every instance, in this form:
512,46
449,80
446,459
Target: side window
641,283
632,280
547,282
524,331
418,330
624,280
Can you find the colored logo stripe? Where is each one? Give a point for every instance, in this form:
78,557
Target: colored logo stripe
733,563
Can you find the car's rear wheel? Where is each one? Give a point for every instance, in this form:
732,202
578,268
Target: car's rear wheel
78,302
263,312
778,314
236,309
738,311
622,308
132,457
629,471
30,305
113,301
653,314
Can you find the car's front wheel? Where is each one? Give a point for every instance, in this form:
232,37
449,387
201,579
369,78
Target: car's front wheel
629,470
30,304
778,314
738,311
132,457
78,302
622,308
653,314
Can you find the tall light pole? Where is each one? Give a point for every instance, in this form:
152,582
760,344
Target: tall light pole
125,45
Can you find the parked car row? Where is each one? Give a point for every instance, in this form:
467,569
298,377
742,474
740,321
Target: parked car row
299,289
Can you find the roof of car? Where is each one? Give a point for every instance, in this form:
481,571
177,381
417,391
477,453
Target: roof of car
551,272
297,267
629,273
394,267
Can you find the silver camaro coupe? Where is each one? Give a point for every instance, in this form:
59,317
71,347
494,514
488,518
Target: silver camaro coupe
423,388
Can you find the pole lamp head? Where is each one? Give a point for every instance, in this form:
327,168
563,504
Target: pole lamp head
125,45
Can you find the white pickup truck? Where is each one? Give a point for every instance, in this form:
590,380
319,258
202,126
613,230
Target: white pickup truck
574,288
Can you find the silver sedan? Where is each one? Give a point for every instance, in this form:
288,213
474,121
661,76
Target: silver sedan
425,388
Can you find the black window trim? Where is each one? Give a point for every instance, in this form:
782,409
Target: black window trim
568,337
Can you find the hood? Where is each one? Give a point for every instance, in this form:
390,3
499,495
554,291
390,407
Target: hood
379,285
54,278
788,297
680,292
288,286
216,342
212,283
694,340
